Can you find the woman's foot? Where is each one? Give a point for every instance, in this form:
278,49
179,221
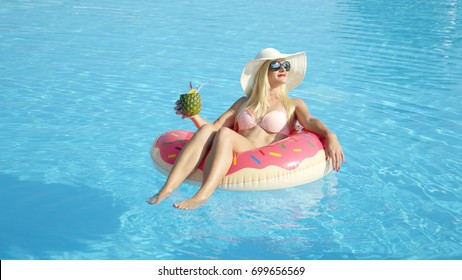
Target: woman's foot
190,204
157,198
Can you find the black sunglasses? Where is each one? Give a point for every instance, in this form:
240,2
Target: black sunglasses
276,65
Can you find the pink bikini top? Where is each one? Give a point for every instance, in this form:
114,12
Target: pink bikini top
273,122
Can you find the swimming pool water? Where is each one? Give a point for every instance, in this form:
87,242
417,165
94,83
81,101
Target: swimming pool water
86,86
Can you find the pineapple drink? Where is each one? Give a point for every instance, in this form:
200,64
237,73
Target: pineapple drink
191,102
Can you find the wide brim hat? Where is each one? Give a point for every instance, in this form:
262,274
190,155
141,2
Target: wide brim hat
296,73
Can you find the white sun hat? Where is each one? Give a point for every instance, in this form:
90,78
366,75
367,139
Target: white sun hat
296,73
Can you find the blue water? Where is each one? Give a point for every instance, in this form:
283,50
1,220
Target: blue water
86,86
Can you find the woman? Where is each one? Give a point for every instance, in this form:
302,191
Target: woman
264,116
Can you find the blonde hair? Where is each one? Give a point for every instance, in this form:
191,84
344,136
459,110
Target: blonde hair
258,101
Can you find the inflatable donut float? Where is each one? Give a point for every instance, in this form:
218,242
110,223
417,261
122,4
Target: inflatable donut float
296,160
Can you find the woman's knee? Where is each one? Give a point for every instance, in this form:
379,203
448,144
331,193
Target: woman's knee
206,130
228,137
205,134
224,134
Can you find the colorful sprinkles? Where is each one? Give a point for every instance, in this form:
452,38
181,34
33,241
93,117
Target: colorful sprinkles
255,159
311,144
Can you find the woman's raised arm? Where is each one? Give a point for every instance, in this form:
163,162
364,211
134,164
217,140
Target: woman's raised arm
310,123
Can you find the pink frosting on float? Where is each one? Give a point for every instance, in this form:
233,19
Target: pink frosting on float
287,153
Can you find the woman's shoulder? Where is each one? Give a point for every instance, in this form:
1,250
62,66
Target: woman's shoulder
243,99
297,102
240,101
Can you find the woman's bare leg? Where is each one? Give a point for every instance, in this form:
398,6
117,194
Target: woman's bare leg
217,164
188,161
